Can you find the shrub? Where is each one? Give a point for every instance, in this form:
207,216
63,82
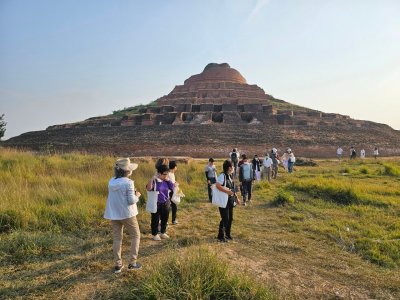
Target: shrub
390,170
364,170
283,198
305,162
196,275
381,252
10,220
338,194
345,170
20,246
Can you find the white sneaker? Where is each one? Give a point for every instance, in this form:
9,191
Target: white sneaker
156,237
164,236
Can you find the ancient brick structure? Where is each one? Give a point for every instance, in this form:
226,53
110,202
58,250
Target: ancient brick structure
211,113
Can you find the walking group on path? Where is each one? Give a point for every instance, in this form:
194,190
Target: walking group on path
353,153
121,207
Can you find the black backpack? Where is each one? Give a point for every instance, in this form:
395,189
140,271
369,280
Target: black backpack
234,156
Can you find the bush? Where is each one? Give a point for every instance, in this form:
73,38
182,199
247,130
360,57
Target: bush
20,246
381,252
305,162
390,170
283,198
345,170
10,220
338,194
196,275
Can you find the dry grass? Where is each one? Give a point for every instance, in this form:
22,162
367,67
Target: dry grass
55,245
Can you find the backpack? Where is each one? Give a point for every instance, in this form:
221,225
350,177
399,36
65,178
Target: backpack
247,171
234,157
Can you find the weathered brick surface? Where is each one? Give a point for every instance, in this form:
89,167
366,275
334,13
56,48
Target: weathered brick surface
209,115
212,139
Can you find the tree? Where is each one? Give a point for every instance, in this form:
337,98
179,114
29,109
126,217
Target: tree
2,126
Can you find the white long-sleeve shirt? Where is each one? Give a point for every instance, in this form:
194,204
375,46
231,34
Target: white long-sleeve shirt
121,201
267,162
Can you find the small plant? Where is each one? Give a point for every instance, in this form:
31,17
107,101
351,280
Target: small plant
196,275
283,198
330,191
345,170
20,246
305,162
10,220
390,170
364,170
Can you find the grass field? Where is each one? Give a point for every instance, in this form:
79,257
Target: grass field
331,231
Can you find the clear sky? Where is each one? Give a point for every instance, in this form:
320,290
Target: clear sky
66,61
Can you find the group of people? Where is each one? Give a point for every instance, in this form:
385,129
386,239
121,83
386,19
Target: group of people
247,172
121,207
353,153
267,167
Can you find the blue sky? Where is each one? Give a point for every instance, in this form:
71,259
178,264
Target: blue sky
65,61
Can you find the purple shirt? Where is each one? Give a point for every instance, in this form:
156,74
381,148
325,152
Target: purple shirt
163,188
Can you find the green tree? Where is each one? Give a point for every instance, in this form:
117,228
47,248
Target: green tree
2,126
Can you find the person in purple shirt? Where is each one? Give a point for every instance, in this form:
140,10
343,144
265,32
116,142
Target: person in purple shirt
163,185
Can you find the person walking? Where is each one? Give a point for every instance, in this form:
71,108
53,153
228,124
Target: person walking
162,185
171,175
234,156
291,160
353,153
225,184
211,172
376,152
339,152
257,167
275,162
122,210
246,177
285,159
267,167
362,153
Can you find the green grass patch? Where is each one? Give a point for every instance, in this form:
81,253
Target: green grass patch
327,190
196,274
282,198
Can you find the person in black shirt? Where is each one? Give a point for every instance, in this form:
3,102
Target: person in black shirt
225,184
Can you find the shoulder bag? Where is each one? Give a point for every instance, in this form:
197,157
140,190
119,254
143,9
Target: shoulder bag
219,198
152,198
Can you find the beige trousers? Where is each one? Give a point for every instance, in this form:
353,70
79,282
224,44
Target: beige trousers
132,226
267,173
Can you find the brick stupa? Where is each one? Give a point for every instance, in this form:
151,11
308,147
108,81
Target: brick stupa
208,115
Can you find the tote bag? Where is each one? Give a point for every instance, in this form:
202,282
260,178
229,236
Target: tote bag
219,198
152,197
176,195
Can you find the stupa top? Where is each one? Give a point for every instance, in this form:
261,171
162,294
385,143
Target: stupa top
214,72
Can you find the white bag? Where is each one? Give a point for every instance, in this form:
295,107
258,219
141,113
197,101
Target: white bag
177,194
219,198
176,199
152,198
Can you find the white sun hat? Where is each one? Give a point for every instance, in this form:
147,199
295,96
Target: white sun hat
125,164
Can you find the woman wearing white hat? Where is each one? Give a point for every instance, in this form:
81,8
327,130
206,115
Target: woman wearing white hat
121,209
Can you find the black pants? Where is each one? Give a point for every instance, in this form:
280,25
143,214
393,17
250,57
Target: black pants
246,189
212,181
174,209
235,166
163,214
226,220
